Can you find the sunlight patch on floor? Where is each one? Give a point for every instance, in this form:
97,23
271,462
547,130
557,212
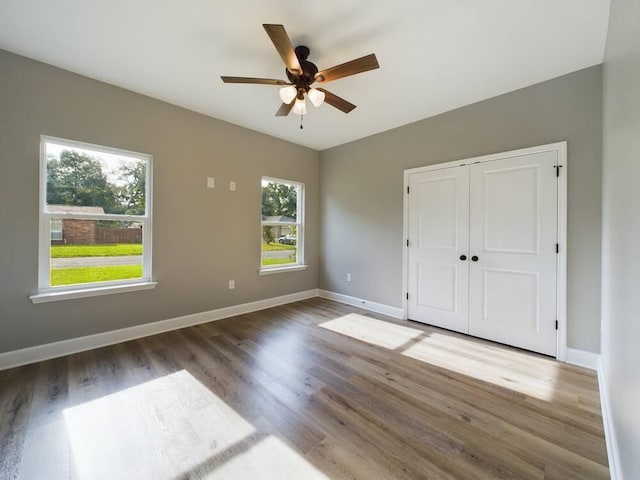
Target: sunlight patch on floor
268,458
501,375
481,361
370,330
171,427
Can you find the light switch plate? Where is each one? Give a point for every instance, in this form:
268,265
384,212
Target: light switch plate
211,182
232,186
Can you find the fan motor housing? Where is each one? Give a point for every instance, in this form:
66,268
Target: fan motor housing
309,69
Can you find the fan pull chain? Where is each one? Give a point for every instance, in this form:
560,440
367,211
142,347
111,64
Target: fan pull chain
301,118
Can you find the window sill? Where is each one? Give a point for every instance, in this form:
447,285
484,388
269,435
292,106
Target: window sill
53,296
270,271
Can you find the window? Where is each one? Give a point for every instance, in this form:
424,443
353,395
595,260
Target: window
95,217
282,230
56,230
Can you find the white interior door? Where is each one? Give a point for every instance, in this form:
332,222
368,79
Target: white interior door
438,279
513,235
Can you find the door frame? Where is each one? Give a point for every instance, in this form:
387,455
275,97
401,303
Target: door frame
561,260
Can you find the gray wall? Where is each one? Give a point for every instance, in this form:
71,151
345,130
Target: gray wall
621,230
202,238
361,188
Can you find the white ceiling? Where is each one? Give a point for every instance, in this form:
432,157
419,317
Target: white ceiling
434,55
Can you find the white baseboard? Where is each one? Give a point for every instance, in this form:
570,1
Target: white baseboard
613,455
47,351
359,302
583,358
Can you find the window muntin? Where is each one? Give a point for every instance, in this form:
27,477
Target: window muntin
95,216
282,224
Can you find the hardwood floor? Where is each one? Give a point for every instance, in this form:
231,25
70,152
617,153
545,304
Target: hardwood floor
314,389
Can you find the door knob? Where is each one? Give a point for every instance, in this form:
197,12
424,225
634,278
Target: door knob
463,257
474,258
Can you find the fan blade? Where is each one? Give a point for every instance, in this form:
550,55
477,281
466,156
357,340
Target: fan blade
284,109
337,102
280,39
259,81
359,65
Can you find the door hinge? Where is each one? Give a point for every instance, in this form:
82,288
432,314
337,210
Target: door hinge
407,295
556,324
557,248
407,190
407,242
557,167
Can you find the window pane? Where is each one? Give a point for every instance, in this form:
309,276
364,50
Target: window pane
90,251
90,181
279,202
56,230
279,245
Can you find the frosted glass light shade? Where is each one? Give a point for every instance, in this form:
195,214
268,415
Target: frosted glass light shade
287,94
316,97
300,107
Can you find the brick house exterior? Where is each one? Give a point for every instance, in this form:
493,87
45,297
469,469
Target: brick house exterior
74,231
78,231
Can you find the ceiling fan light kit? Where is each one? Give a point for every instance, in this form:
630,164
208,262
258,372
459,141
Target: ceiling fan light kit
300,107
302,74
316,96
288,94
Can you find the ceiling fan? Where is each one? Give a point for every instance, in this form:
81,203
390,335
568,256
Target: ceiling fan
302,74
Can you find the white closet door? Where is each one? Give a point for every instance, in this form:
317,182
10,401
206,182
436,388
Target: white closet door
513,235
438,236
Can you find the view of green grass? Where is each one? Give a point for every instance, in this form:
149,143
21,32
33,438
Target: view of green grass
277,261
276,246
106,250
69,276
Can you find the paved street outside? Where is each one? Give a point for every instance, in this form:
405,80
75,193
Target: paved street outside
278,253
75,262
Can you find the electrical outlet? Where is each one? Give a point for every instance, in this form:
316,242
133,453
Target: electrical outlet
232,186
232,284
211,182
348,277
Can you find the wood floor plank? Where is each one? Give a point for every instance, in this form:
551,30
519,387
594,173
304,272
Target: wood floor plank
351,427
529,447
18,391
313,389
45,453
529,413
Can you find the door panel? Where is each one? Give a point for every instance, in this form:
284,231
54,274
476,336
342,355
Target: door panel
513,232
437,287
520,306
511,209
437,223
438,235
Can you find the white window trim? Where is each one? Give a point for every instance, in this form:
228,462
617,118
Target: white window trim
47,293
54,296
272,270
300,230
